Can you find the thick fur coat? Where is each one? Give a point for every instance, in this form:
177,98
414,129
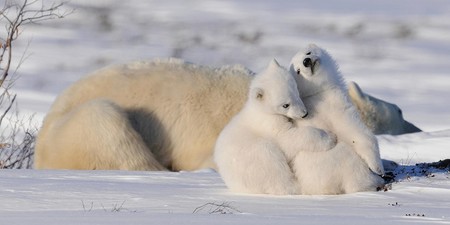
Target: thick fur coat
253,151
381,117
354,164
158,115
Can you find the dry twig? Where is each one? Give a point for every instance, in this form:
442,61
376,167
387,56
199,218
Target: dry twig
16,14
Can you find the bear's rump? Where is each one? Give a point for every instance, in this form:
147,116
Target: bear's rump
325,172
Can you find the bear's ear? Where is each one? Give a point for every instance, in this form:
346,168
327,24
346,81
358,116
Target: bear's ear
311,47
355,91
274,64
258,93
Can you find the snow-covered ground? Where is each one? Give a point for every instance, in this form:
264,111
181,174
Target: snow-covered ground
398,51
113,197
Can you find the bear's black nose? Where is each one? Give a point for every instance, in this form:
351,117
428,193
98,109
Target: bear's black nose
307,62
304,116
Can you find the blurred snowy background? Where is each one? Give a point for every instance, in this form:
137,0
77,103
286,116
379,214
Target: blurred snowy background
398,51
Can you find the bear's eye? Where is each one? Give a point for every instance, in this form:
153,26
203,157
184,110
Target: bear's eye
298,71
309,53
286,106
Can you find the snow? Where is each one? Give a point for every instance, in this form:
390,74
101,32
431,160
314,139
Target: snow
116,197
410,149
396,50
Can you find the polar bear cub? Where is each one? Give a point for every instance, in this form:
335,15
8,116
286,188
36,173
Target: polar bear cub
254,149
354,164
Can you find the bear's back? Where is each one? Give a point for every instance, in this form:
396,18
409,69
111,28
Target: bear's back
165,95
158,83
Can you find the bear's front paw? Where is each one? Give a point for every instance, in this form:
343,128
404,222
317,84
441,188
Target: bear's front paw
377,169
375,165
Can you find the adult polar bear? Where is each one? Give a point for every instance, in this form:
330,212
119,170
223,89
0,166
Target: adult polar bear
164,114
380,116
158,115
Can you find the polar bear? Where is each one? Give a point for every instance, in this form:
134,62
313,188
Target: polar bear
354,164
380,116
160,115
253,151
156,115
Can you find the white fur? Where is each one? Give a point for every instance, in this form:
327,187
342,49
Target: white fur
253,151
163,114
177,109
381,117
354,163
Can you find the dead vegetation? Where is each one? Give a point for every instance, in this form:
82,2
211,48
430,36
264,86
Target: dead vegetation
17,139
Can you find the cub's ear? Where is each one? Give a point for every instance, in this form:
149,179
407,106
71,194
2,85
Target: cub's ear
311,48
258,93
274,64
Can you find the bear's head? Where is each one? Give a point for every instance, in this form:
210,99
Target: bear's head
380,116
315,71
274,91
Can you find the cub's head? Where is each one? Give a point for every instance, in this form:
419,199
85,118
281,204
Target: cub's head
274,91
316,70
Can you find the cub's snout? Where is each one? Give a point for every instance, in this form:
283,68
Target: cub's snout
307,62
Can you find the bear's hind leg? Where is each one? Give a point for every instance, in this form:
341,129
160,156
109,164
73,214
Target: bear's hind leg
357,176
271,172
97,135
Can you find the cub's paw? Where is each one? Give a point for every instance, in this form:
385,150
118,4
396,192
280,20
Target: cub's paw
376,166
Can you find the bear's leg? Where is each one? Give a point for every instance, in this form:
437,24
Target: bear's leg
96,135
351,130
256,167
355,174
270,171
305,138
318,173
